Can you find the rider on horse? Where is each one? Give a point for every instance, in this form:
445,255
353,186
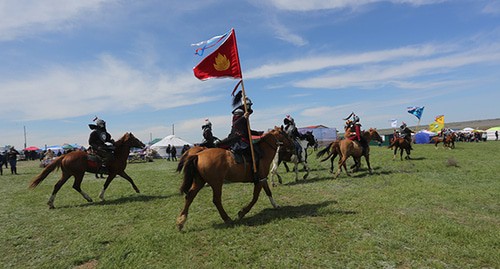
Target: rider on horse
293,133
238,139
100,140
353,131
207,135
405,133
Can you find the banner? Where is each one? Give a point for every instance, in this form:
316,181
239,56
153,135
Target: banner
223,62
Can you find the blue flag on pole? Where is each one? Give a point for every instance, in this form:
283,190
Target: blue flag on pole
417,111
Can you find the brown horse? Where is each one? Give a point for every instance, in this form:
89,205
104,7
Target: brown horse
401,144
448,142
352,148
214,165
76,163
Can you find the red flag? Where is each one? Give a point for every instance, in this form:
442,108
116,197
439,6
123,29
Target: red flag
223,62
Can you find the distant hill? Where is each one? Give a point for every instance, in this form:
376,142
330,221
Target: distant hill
476,124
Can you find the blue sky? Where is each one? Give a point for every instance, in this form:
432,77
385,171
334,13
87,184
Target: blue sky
130,63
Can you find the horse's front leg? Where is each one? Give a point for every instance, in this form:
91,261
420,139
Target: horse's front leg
129,179
256,191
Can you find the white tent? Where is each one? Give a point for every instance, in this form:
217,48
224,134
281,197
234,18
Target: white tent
172,140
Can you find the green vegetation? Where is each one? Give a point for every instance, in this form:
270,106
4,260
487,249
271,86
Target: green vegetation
440,210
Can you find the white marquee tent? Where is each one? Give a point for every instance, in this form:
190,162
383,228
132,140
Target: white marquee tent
172,140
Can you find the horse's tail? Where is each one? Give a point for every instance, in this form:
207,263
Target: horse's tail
182,161
190,171
325,150
56,163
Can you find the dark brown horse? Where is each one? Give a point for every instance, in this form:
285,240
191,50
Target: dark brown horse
76,163
352,148
401,144
215,165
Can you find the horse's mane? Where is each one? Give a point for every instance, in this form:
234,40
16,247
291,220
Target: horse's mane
119,142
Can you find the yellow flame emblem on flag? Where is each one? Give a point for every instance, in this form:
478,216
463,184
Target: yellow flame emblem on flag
221,63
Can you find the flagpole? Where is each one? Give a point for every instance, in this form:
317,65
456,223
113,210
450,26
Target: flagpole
243,95
418,124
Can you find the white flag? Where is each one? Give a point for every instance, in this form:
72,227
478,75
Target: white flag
394,123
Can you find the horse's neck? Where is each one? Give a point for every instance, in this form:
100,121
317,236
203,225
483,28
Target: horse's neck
122,151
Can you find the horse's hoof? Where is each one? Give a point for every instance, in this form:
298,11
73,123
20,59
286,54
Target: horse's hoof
181,220
51,206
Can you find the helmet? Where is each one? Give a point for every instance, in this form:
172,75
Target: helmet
238,111
355,118
100,123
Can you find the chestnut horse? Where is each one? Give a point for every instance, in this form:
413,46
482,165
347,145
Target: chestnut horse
401,144
352,148
449,141
333,150
76,163
215,165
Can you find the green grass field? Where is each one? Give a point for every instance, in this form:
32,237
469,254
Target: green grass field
440,210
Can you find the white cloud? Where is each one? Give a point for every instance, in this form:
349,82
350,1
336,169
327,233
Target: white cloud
314,63
310,5
20,18
376,76
286,34
492,7
107,84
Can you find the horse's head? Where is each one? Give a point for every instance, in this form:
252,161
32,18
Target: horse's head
310,138
132,141
282,138
375,135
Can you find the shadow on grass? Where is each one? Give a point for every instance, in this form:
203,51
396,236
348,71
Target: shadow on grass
123,200
287,212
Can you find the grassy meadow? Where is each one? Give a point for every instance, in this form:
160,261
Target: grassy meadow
439,210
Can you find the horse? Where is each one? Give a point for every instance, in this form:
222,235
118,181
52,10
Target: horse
350,148
285,155
449,141
333,150
213,166
401,144
76,163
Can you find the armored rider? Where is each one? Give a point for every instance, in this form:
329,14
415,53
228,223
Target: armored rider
353,131
100,140
293,133
207,134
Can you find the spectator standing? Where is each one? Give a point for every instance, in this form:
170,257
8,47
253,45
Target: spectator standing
496,135
168,152
173,152
2,161
12,158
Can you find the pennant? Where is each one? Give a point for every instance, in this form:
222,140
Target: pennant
223,62
416,111
394,123
203,45
440,119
